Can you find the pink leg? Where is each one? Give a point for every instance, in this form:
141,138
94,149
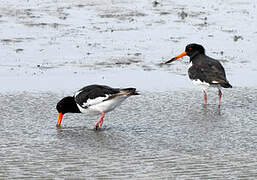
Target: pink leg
205,97
100,121
220,94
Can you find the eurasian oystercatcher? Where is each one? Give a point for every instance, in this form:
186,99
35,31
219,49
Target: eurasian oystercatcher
93,99
204,70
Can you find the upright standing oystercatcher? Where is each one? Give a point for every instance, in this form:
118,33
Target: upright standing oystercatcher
204,70
93,99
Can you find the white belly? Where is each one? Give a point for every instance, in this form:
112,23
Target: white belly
104,106
203,85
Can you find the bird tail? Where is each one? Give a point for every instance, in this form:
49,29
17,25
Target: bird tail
129,91
226,85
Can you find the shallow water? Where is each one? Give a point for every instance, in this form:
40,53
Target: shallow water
51,48
155,135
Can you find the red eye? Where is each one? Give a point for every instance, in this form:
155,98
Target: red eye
190,49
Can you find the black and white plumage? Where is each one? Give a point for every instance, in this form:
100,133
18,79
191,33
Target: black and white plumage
93,99
204,70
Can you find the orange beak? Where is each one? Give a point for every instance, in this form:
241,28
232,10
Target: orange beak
177,57
59,120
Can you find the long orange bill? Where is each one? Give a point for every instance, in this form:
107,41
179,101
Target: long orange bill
177,57
59,120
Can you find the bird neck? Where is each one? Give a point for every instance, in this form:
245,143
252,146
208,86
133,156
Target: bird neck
193,57
73,108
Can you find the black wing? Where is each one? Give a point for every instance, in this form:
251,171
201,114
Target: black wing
94,94
210,71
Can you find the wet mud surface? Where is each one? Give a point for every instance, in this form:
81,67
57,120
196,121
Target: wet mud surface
155,135
52,37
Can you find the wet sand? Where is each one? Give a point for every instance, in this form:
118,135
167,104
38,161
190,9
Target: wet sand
50,49
48,39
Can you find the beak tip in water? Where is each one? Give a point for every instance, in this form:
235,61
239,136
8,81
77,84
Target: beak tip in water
59,120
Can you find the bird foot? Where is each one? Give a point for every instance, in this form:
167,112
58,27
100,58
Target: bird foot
204,105
96,127
99,122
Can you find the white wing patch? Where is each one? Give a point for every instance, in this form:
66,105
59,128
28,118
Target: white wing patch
98,105
95,101
215,82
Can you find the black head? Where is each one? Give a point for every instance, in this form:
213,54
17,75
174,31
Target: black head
191,50
194,49
66,105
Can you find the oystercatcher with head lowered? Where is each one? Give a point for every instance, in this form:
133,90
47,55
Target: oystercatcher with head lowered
204,70
93,99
